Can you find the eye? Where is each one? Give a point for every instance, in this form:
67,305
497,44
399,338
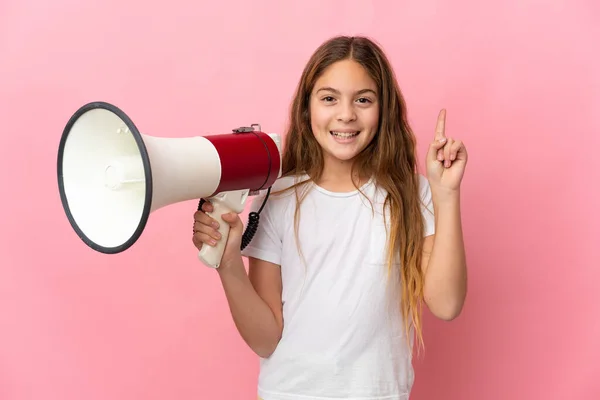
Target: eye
364,100
328,98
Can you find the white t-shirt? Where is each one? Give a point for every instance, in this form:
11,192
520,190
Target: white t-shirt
343,334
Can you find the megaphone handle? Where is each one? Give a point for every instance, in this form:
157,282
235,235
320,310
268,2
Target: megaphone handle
211,255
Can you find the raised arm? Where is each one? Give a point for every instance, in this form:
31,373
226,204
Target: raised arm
444,260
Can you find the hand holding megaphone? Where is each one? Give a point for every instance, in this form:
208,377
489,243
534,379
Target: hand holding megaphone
215,229
111,177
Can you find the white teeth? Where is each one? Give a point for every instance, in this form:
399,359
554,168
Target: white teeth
344,134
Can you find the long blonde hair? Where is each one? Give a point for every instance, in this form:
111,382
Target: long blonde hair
390,159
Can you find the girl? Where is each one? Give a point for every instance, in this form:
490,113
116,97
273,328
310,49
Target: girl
345,253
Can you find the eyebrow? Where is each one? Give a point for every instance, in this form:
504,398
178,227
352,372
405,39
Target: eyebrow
330,89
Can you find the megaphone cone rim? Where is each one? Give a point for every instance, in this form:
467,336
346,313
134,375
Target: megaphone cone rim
147,174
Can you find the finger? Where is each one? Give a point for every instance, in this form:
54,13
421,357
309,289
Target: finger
456,147
462,152
203,238
199,239
207,206
440,129
435,149
197,242
447,149
438,144
232,219
205,219
206,230
440,132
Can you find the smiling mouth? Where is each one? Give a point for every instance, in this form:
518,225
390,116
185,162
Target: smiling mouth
344,135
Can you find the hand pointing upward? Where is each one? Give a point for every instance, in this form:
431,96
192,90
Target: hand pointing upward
446,159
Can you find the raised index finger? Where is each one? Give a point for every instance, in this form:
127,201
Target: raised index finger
440,129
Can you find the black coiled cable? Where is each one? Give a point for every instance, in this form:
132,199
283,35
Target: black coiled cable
251,229
253,220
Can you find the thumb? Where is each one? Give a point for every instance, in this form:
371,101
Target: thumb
234,221
434,148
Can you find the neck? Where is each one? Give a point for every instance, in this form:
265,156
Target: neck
337,176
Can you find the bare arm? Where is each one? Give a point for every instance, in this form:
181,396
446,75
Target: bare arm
444,261
255,303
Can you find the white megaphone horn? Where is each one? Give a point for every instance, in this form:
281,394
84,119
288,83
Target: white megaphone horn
111,177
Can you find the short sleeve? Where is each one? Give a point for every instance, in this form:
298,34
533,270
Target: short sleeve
427,206
267,243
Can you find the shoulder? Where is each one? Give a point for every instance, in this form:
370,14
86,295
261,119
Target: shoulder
284,190
285,185
279,198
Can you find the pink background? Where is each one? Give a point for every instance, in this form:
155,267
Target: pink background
520,80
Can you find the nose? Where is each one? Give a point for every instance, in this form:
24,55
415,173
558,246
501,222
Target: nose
346,112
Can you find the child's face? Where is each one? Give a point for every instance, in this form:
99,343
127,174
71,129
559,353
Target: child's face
344,110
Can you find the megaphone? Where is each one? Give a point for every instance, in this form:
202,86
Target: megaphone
111,177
